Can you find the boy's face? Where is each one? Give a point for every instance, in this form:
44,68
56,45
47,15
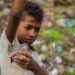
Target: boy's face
28,30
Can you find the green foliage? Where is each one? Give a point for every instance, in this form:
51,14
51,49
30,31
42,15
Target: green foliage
70,73
1,14
52,34
69,31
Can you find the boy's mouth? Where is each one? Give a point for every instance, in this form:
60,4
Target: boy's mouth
30,40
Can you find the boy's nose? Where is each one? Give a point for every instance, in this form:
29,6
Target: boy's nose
32,33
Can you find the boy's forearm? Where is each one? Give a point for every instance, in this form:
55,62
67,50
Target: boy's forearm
16,11
38,70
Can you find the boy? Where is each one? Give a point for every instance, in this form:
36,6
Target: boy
25,23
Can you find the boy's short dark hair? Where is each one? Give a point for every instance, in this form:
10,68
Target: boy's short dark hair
34,10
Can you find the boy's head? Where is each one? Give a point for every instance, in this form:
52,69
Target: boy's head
30,23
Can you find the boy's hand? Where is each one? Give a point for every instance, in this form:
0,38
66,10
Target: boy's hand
18,7
22,58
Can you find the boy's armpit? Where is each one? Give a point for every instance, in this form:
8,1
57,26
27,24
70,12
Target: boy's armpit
4,38
5,42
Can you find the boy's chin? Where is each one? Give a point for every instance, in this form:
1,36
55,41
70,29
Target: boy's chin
29,43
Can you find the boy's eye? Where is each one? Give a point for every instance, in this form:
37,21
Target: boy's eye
28,27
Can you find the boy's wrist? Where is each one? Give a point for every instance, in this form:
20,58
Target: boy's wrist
33,65
15,15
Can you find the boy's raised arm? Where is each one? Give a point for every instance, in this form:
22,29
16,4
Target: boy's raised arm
16,11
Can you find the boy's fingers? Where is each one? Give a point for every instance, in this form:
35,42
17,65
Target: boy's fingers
13,54
23,55
22,58
25,52
22,64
